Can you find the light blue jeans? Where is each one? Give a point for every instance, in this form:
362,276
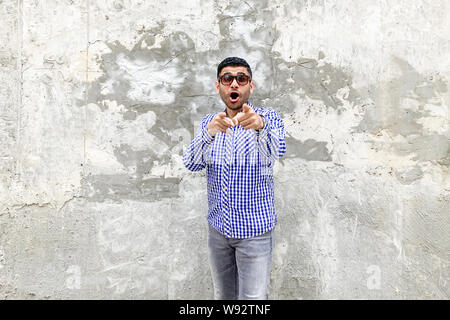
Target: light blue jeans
240,267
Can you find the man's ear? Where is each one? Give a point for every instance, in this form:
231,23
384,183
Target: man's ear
252,86
217,86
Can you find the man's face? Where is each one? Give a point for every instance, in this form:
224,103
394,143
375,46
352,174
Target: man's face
235,94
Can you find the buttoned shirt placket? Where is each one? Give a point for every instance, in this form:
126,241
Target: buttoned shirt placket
225,183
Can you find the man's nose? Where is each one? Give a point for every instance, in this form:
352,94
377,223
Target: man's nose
234,84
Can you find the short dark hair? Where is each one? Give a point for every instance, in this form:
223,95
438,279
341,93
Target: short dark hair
234,62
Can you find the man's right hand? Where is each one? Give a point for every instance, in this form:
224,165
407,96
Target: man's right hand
220,122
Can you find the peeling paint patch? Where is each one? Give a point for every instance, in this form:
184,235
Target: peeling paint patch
309,149
400,105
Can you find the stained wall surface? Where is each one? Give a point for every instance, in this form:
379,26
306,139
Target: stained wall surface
98,99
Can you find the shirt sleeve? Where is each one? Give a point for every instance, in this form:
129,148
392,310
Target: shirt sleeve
271,141
194,155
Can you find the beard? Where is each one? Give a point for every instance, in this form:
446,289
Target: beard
235,107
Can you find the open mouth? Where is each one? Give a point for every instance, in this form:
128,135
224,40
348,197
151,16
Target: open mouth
234,97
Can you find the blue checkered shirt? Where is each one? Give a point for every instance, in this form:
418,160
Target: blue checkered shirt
239,168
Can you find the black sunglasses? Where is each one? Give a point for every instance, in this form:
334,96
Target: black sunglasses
227,79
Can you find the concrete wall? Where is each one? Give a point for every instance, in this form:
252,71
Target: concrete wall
99,98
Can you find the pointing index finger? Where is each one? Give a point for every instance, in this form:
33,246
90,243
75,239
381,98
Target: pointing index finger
245,108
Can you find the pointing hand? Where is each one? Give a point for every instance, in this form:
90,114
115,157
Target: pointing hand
248,118
220,122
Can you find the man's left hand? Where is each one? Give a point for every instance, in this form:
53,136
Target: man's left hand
248,118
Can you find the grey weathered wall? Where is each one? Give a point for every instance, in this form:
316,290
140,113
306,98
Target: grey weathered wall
99,98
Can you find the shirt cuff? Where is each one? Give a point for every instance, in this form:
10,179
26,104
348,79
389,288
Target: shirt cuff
207,137
263,132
